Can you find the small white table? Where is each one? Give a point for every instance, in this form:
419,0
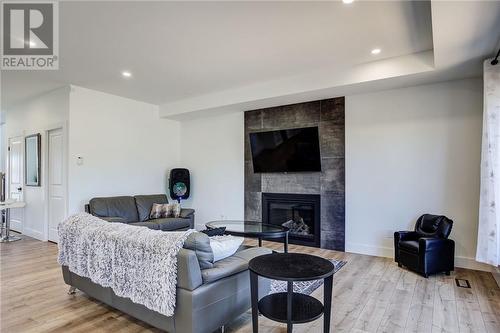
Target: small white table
7,207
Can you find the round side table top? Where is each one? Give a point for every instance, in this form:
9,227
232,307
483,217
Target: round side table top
291,266
11,204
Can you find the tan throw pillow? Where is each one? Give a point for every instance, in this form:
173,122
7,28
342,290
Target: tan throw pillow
174,210
158,211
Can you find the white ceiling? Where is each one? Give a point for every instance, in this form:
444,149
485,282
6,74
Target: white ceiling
188,56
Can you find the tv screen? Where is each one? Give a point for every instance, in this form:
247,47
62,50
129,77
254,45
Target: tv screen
291,150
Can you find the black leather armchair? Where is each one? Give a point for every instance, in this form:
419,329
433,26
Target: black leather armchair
426,250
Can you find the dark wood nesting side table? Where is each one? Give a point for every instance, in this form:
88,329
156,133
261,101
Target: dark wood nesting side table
291,308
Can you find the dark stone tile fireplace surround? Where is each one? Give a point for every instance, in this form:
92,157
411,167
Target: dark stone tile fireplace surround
312,202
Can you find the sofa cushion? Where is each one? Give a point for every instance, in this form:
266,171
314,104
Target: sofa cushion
150,224
186,212
172,223
234,264
410,246
113,219
145,202
200,244
251,252
123,207
223,268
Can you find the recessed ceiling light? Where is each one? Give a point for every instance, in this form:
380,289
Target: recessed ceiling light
32,44
347,1
126,74
376,51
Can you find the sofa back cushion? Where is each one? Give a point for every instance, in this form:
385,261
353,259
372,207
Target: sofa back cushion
200,244
123,207
145,203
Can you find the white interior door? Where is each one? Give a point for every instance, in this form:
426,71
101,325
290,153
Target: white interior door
56,182
16,180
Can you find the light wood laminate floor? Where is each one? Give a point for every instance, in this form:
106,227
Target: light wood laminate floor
371,294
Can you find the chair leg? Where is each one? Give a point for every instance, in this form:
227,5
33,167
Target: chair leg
72,290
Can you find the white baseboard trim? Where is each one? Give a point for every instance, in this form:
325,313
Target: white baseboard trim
370,250
33,233
16,226
471,263
388,252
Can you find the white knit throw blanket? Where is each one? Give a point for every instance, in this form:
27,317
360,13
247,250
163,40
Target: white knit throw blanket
136,262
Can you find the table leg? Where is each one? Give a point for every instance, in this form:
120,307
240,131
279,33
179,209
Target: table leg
260,242
254,296
8,238
2,221
289,325
327,303
286,243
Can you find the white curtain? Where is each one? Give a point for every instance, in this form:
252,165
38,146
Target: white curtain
488,240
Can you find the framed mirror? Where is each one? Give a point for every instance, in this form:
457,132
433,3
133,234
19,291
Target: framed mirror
32,158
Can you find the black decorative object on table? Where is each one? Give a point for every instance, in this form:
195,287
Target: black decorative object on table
252,229
291,308
210,232
427,249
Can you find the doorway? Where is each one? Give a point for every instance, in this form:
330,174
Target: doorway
56,182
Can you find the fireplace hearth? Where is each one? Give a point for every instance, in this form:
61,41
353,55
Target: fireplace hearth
298,212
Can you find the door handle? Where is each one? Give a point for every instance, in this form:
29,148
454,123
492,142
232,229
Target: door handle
19,189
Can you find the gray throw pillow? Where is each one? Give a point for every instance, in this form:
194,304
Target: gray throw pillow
200,244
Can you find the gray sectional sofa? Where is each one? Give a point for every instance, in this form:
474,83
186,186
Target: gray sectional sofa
135,211
209,294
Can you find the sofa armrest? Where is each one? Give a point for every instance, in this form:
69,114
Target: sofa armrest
188,270
186,212
402,236
405,235
426,244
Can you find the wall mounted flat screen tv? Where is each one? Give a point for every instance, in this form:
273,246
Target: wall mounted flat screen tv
290,150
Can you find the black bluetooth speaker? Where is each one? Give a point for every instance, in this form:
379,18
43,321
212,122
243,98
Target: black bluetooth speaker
179,184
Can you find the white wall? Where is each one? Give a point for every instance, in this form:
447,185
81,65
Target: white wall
36,116
126,148
212,149
412,151
2,141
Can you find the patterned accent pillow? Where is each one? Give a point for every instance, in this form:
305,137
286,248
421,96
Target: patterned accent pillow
174,210
158,211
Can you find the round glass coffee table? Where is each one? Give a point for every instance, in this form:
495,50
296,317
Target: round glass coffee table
252,229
